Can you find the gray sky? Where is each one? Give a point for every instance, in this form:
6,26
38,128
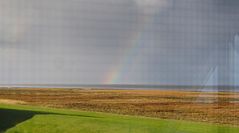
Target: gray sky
125,42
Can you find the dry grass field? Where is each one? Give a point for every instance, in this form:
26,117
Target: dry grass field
213,107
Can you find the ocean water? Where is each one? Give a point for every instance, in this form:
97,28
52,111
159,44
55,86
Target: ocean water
131,86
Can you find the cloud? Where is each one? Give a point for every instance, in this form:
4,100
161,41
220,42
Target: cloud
151,6
14,21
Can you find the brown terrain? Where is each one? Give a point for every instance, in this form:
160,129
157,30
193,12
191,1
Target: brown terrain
214,107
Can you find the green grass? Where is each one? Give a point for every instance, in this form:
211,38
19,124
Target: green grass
27,119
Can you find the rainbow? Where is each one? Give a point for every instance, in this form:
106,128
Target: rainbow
116,72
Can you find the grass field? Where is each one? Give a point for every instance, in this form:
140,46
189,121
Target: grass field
210,107
29,119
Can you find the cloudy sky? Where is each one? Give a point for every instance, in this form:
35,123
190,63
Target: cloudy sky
182,42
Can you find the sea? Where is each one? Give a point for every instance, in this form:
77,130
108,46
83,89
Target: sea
219,88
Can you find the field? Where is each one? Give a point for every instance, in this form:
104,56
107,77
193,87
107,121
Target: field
27,119
170,111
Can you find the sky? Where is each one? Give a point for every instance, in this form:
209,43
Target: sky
157,42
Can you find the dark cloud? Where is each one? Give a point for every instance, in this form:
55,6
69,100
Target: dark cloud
81,41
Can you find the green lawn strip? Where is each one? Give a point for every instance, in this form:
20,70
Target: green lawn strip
48,120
